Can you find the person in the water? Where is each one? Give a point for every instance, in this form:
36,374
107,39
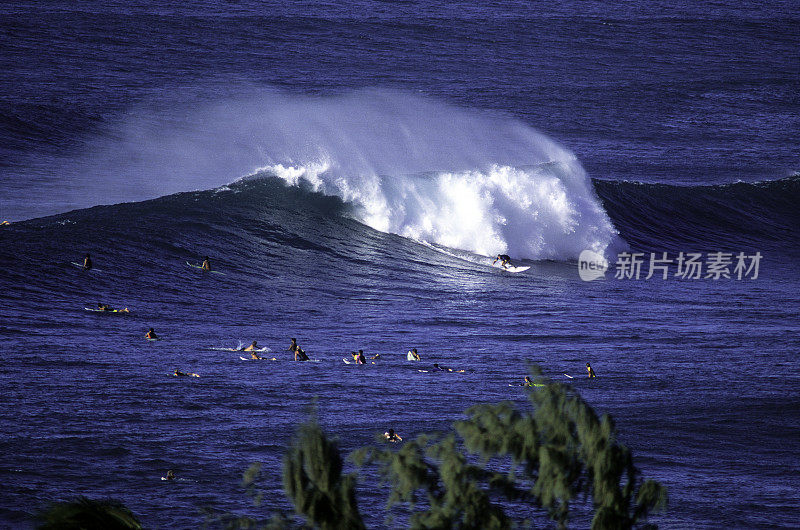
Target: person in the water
253,346
505,260
206,266
106,307
87,263
360,359
528,381
412,355
299,353
445,369
392,436
170,475
178,373
151,335
590,371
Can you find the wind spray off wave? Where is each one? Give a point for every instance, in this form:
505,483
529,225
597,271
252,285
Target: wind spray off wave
440,174
408,165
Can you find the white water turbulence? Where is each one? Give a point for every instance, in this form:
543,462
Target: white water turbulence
535,212
409,165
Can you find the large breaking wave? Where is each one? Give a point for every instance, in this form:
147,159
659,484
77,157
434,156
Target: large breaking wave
408,165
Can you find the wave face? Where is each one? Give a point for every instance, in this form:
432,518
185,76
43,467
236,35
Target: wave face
740,216
271,218
408,165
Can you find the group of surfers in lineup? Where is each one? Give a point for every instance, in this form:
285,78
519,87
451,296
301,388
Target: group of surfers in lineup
301,355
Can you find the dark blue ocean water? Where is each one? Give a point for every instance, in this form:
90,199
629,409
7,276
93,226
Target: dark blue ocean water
349,169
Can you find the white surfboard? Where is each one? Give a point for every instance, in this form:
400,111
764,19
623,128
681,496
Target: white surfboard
509,269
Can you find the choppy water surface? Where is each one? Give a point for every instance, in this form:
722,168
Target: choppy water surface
385,152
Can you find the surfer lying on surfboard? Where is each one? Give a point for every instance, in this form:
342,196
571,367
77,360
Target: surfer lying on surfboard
106,307
178,373
445,369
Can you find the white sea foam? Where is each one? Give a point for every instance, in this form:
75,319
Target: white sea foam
535,212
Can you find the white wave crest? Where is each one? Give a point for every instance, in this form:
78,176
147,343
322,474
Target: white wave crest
535,212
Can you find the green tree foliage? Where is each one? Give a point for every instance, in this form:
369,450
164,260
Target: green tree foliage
313,481
549,455
228,521
455,492
565,450
87,514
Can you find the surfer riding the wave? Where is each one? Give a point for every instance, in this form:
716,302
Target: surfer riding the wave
505,260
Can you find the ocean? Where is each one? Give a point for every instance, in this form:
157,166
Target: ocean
352,170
